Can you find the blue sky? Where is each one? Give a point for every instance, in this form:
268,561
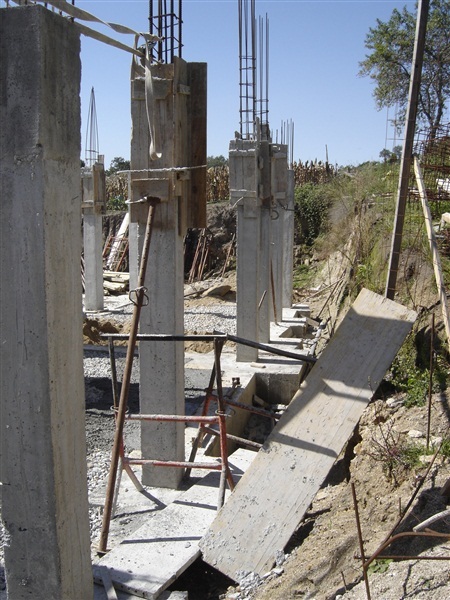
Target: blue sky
314,50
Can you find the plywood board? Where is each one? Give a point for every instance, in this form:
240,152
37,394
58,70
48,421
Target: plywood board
146,563
277,489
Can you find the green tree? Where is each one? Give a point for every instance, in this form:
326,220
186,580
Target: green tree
118,164
216,161
391,46
391,155
385,154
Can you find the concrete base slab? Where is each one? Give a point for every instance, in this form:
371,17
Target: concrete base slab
146,563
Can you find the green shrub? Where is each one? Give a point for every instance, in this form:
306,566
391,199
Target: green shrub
117,203
311,212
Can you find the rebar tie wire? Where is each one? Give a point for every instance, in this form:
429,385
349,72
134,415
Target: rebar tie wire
140,296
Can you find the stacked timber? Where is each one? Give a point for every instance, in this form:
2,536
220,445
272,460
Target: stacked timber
115,282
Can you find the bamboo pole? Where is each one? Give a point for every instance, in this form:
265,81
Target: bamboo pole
434,249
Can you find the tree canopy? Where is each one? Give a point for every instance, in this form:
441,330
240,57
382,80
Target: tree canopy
118,163
216,161
391,46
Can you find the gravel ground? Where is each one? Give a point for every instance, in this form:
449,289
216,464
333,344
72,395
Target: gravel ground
202,318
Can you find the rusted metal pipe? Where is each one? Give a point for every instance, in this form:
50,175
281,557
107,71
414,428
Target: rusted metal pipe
126,380
166,337
271,349
181,418
213,466
210,338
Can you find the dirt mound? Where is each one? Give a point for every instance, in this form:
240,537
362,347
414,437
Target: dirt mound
94,328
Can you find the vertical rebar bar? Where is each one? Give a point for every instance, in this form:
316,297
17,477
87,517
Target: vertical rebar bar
91,151
180,29
361,541
164,22
247,67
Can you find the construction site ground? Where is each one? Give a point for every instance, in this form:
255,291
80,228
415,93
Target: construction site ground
321,559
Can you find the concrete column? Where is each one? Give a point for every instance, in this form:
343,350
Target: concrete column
93,202
288,243
243,192
162,363
265,248
43,458
93,263
176,97
279,192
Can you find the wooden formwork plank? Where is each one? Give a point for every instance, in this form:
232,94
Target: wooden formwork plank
274,494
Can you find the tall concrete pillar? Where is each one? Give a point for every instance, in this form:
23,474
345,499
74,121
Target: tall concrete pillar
43,458
279,196
288,243
243,192
93,205
176,110
265,245
162,363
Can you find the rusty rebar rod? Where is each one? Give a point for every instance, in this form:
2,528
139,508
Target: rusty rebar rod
126,380
361,541
399,536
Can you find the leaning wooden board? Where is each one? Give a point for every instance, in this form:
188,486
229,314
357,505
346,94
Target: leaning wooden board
275,492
